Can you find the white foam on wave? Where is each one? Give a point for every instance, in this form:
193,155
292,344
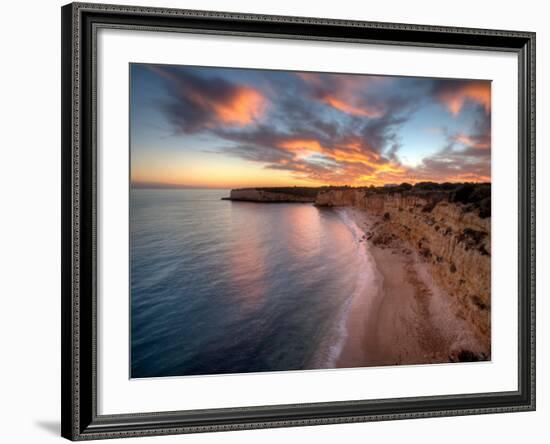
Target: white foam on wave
368,284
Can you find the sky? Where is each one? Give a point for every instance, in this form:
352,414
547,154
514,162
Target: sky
208,127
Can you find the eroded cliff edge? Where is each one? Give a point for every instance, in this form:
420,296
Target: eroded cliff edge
275,195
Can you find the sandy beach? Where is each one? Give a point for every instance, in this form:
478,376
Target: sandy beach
399,326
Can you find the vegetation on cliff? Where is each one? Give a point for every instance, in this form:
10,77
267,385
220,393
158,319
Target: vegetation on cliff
310,192
476,197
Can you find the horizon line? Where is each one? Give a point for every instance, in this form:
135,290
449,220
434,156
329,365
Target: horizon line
164,186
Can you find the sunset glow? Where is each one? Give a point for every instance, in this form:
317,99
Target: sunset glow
243,109
456,97
231,128
350,109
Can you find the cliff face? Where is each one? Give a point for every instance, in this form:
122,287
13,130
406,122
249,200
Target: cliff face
451,236
264,195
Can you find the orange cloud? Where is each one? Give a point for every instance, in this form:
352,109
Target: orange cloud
204,103
350,152
350,109
473,142
247,105
341,92
411,176
362,166
243,107
301,147
455,98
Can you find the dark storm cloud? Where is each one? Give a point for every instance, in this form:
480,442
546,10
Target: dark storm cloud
196,103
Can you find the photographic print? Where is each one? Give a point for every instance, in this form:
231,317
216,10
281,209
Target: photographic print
287,220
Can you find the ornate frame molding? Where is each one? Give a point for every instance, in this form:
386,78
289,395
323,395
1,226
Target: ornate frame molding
80,22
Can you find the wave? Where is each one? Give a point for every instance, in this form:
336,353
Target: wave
367,286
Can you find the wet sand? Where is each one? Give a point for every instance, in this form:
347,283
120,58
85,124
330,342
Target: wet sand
394,325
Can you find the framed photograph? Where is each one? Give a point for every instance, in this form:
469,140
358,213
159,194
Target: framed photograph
282,221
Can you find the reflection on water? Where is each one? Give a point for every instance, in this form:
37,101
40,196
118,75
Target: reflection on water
304,226
247,266
232,287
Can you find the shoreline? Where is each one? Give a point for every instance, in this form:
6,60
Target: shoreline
399,324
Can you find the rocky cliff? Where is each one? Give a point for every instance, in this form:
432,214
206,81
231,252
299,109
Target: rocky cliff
274,195
449,227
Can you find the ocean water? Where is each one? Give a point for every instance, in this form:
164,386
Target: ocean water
233,287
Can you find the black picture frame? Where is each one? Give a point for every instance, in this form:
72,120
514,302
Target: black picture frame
80,22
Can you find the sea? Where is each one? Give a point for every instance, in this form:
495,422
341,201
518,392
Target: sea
221,287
